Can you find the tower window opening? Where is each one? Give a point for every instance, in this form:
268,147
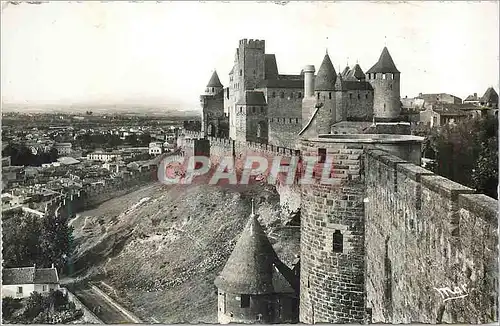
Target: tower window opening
384,106
297,120
241,109
245,301
282,95
330,96
318,95
338,241
322,155
254,72
366,96
253,109
359,96
300,95
350,96
274,94
290,120
291,95
241,72
261,110
383,76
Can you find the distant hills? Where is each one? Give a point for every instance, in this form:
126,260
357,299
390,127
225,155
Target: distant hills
102,109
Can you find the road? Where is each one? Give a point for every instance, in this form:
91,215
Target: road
101,307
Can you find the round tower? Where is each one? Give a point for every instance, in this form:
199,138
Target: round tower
255,286
214,85
332,239
385,80
324,89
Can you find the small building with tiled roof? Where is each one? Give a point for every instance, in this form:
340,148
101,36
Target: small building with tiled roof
255,286
23,281
490,98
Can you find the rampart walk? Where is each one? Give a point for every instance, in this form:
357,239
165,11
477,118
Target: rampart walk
430,244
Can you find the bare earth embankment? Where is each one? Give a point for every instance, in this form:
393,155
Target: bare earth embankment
160,248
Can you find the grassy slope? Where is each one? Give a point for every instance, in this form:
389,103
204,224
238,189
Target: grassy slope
163,255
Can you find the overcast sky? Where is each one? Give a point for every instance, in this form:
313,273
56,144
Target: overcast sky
163,54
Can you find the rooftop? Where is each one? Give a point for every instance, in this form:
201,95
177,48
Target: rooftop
29,275
384,64
254,267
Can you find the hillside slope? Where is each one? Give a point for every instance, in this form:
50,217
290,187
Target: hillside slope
161,247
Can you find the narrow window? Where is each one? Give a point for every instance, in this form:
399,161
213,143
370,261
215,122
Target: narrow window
322,155
290,120
366,96
254,72
300,95
44,288
282,95
274,94
241,109
384,106
338,241
20,289
318,95
253,109
359,96
241,72
390,86
383,76
261,110
330,96
291,95
297,120
245,301
350,96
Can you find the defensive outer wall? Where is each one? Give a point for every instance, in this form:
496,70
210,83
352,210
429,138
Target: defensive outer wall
404,233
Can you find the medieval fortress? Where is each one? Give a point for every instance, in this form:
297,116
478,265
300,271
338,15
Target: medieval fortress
388,241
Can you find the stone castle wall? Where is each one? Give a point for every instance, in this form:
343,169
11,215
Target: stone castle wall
425,232
405,232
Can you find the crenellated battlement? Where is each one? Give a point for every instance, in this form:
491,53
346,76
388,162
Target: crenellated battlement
445,227
253,44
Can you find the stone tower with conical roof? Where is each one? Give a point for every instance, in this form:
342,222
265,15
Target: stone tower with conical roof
385,80
324,89
212,103
255,286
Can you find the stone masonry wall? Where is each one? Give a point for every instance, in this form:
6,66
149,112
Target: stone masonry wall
332,283
423,233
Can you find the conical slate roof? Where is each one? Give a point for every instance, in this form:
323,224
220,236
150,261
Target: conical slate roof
346,71
384,64
214,81
250,268
490,96
325,79
357,72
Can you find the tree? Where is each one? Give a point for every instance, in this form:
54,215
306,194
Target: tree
467,153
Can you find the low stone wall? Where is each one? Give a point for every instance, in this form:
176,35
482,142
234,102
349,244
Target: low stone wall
89,316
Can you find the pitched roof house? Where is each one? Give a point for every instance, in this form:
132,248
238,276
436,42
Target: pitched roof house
21,282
